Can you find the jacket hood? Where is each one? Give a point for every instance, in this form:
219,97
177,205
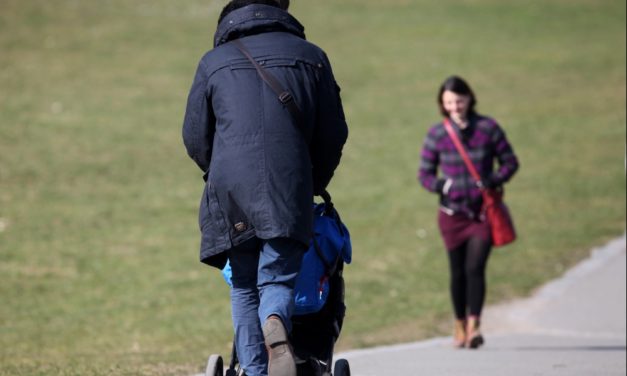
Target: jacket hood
255,19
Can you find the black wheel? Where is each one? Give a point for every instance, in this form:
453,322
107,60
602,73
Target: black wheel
215,366
341,368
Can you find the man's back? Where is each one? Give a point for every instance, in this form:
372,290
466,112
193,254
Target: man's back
263,166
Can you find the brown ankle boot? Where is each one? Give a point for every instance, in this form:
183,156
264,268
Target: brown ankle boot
459,335
281,361
474,339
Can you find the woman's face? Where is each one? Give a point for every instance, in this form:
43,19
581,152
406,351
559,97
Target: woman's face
456,104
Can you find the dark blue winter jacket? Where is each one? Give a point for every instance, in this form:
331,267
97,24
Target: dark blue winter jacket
261,166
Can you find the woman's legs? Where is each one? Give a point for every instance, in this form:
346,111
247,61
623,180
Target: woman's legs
458,289
468,289
468,283
477,254
458,283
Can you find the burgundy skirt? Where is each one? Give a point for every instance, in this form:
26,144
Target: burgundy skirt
456,229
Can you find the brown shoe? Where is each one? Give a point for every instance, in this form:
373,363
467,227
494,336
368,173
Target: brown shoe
474,339
459,335
281,361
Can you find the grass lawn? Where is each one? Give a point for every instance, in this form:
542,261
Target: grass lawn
99,271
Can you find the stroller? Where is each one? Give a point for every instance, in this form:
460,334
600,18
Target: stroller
319,298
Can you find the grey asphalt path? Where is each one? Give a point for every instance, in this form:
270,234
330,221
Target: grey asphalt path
575,325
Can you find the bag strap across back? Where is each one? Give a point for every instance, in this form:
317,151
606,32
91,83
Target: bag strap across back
284,96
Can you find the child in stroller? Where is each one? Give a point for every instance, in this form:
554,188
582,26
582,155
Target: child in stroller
319,300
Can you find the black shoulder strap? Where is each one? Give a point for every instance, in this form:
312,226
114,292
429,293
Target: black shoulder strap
284,96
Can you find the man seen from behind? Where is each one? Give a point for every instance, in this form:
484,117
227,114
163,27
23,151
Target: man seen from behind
262,166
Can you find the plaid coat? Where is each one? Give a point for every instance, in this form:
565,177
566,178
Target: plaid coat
486,143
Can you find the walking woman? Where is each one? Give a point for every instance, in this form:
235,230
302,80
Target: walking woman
464,230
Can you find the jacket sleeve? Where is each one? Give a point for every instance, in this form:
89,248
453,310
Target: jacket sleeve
508,163
330,131
199,122
429,161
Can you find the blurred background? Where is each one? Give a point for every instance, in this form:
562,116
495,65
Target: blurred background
99,270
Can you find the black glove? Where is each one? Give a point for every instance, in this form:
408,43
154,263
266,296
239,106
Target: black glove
443,186
488,183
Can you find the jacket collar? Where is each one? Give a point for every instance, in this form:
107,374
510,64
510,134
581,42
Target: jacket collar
256,19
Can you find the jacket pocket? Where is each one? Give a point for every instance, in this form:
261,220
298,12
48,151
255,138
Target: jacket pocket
264,61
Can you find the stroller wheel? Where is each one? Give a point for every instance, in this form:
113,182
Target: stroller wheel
215,366
341,368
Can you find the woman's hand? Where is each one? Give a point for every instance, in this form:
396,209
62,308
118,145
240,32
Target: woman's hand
487,183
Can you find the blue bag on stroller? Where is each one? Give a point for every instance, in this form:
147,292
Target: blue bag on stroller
330,243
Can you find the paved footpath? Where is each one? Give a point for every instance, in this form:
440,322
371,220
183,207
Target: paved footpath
575,325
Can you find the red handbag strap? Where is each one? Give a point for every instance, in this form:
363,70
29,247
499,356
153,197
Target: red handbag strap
462,151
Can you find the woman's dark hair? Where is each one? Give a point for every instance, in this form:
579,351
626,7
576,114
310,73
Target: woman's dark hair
458,86
236,4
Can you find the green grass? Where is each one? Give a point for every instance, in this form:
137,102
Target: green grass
98,200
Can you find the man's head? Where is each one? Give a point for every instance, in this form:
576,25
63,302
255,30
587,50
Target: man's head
236,4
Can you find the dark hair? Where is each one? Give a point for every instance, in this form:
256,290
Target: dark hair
236,4
458,86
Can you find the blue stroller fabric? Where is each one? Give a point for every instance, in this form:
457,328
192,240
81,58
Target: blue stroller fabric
334,245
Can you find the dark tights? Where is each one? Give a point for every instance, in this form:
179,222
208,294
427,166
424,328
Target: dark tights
468,264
